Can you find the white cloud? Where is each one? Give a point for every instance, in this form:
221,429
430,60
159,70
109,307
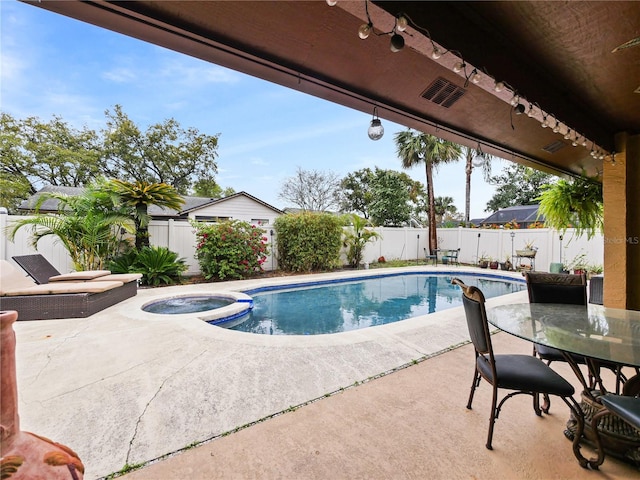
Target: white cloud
120,75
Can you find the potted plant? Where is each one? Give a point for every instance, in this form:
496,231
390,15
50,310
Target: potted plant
483,261
529,250
493,264
579,264
506,265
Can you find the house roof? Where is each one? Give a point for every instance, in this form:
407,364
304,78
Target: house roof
520,213
191,204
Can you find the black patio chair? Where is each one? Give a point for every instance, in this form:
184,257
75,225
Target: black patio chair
565,289
523,374
625,407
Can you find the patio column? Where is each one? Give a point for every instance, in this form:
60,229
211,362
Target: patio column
621,186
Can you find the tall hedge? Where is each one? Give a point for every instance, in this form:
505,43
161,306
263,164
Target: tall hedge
308,241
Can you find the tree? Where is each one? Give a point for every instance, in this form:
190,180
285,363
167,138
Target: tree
517,185
361,190
391,206
472,154
577,202
356,238
444,206
33,153
311,190
357,192
165,153
210,188
88,225
415,148
137,197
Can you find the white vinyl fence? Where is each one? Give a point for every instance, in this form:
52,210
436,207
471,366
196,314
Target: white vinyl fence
393,244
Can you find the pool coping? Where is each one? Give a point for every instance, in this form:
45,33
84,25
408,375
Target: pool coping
137,387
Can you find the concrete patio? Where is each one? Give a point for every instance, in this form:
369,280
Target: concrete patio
125,387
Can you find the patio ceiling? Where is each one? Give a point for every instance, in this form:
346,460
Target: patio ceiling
556,55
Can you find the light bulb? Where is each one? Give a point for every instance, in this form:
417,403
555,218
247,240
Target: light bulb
545,123
458,66
332,3
364,30
478,161
575,142
530,112
499,86
402,23
397,43
584,142
436,53
376,130
515,100
556,129
567,135
475,78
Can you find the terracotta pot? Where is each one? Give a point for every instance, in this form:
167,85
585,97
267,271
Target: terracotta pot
26,455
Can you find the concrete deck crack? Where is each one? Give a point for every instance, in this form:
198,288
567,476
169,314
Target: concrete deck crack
139,420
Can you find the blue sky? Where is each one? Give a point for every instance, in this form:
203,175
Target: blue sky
53,65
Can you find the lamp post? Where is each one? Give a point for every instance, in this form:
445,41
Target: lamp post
271,245
418,249
513,234
478,248
560,249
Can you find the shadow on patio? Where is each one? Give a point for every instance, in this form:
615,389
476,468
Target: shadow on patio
409,424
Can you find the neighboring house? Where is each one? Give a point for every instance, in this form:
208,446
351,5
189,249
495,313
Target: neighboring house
523,215
239,206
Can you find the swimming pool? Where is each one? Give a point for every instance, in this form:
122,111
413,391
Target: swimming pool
342,305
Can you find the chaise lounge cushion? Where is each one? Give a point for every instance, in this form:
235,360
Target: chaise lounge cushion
63,287
119,277
79,276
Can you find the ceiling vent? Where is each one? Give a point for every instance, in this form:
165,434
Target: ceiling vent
443,92
554,147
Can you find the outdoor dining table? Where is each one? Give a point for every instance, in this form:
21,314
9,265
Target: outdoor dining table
605,336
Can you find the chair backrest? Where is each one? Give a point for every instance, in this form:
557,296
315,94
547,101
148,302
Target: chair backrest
37,267
556,288
473,302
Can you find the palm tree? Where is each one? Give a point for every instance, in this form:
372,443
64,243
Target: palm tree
443,206
88,225
138,196
471,154
415,148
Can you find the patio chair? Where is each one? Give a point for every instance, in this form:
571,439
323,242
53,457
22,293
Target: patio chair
451,257
556,288
433,256
566,289
522,374
41,270
623,406
64,299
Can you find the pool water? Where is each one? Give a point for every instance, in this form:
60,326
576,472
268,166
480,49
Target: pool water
187,304
349,305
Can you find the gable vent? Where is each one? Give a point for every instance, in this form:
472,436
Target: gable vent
554,147
443,92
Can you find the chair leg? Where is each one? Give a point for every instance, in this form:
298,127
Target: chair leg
493,417
474,385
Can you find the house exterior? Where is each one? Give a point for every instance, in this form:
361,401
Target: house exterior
523,215
239,206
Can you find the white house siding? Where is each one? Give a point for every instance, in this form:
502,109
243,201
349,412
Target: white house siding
237,208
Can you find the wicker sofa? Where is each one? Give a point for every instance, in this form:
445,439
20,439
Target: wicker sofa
60,299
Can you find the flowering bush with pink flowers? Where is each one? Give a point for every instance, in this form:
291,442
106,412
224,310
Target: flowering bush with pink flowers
231,249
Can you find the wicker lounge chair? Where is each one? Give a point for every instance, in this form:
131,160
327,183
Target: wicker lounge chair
39,268
63,299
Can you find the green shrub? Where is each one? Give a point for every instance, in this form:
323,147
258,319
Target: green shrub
158,265
232,249
309,241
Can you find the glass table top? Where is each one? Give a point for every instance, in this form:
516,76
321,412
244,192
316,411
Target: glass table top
594,331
